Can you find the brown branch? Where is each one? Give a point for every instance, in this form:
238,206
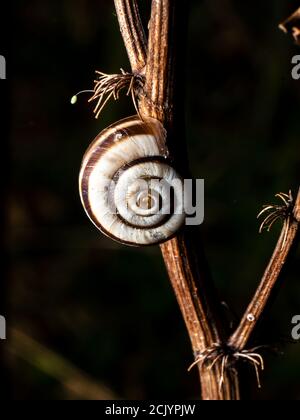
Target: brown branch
183,255
186,267
132,32
158,99
241,336
191,283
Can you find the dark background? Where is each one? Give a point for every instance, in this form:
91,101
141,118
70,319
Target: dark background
88,318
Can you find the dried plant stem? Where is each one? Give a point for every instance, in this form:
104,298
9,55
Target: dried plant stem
132,32
256,307
186,267
215,356
158,98
190,281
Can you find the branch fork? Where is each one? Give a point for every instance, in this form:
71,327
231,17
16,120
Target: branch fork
153,64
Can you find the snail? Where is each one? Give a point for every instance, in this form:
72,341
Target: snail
127,185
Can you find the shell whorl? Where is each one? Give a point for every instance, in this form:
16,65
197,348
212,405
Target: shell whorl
125,181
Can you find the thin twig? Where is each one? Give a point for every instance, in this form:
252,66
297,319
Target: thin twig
133,33
241,336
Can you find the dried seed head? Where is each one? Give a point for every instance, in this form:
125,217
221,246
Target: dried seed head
278,212
109,86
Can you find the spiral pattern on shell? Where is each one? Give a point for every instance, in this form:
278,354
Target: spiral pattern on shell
128,188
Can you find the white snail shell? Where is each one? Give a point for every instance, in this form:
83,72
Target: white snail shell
132,153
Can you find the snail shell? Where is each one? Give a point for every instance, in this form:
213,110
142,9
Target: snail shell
127,187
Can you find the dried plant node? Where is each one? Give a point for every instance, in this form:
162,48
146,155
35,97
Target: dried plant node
273,213
109,86
228,357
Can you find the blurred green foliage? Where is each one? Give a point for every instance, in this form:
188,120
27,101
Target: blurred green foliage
108,310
